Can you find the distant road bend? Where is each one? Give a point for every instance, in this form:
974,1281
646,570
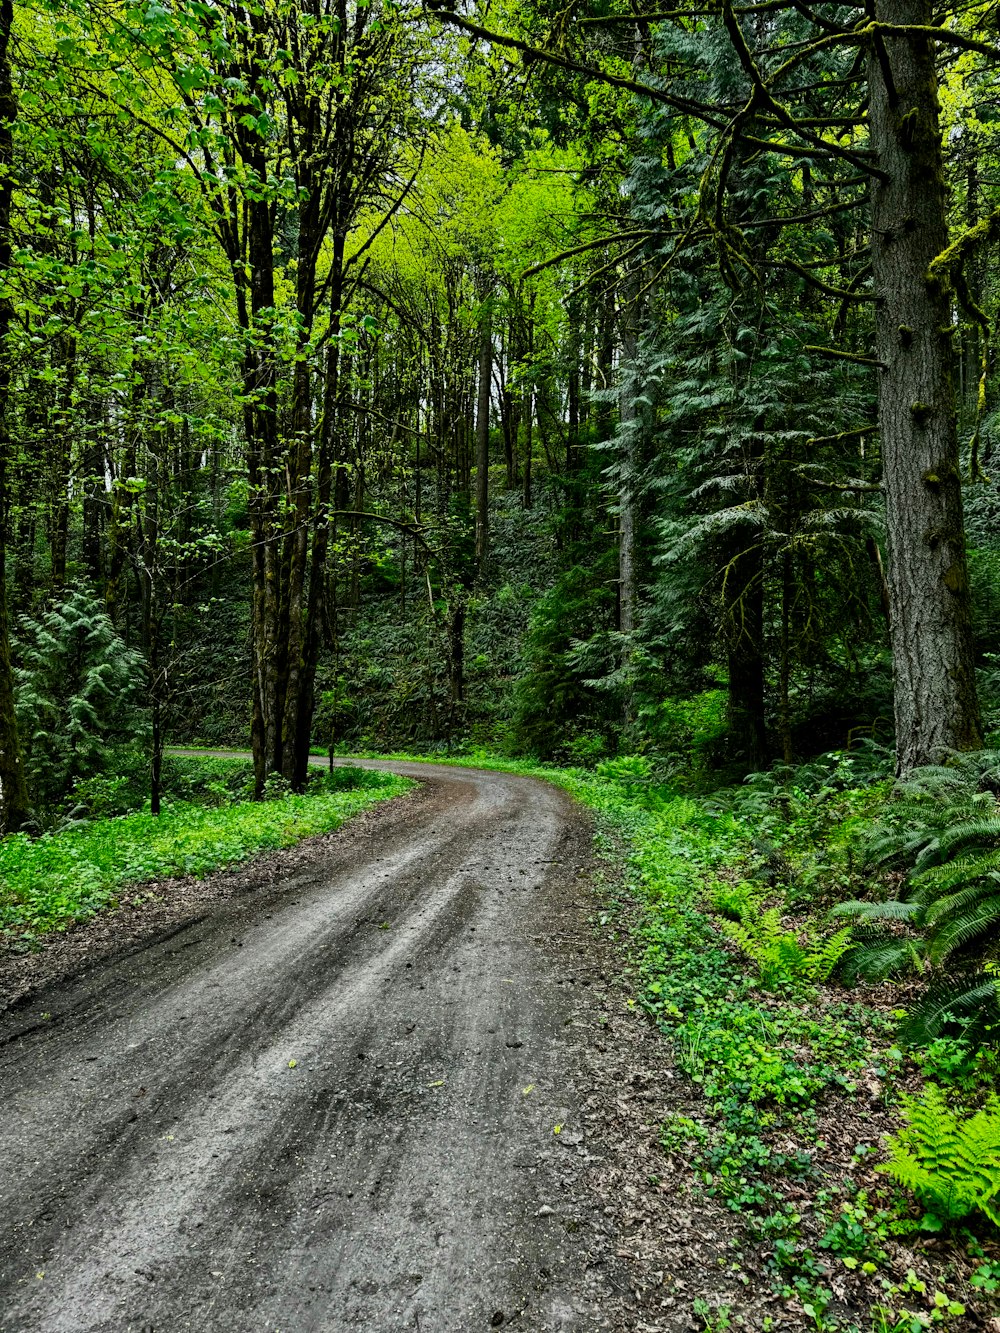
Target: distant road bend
325,1105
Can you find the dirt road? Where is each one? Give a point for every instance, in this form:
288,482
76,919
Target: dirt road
327,1104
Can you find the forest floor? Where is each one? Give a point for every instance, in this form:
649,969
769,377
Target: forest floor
365,1083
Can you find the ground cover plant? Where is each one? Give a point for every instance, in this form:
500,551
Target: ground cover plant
49,882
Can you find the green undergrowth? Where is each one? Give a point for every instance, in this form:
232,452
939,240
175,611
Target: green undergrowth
68,875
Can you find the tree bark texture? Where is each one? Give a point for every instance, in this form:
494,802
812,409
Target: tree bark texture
629,427
934,685
483,439
13,792
742,634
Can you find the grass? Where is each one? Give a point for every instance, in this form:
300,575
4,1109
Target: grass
65,876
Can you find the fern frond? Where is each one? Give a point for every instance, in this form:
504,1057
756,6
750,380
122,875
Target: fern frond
961,930
879,960
968,833
953,903
970,1000
821,961
893,909
951,1165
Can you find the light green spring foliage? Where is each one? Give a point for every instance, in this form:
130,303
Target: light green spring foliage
471,226
57,879
951,1164
448,226
785,957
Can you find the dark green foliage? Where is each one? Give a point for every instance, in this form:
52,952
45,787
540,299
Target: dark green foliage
960,1001
122,784
556,712
79,691
942,828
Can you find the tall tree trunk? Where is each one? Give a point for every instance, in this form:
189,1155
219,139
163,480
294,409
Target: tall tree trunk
316,609
529,406
743,632
934,684
509,403
119,530
483,438
456,653
529,446
154,597
93,487
304,517
13,792
261,424
629,416
28,487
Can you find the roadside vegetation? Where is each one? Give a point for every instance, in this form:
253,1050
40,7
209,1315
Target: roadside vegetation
107,840
833,1022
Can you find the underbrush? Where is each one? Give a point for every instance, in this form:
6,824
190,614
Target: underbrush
804,1088
51,881
122,785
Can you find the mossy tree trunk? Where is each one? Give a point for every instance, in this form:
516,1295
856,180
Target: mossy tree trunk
13,792
934,684
483,436
627,459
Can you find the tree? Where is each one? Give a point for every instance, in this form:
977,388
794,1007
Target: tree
782,103
13,792
936,704
78,692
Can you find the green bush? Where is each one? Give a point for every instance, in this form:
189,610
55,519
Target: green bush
122,785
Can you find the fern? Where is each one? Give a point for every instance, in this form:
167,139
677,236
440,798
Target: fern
944,825
970,833
952,1166
735,901
780,956
877,959
892,910
878,950
966,1000
825,957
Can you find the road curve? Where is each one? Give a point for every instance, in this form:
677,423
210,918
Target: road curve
325,1106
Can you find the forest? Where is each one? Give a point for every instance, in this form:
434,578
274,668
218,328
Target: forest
597,391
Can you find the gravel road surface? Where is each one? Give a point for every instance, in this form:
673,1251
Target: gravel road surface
326,1104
